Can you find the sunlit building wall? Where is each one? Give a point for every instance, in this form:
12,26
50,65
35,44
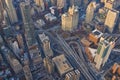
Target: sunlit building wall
90,12
70,19
11,11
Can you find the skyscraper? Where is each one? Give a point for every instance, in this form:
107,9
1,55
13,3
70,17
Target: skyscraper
90,12
27,72
53,2
111,19
103,52
70,19
11,11
46,45
28,24
6,17
61,4
40,3
111,4
75,2
1,11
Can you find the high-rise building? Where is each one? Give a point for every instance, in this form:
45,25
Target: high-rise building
14,63
11,11
6,17
27,72
40,3
61,4
15,48
53,2
90,12
111,4
35,56
20,40
111,19
103,52
46,45
49,65
16,66
75,2
85,3
70,19
28,23
1,10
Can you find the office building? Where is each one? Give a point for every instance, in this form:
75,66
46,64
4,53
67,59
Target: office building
95,36
16,66
46,45
111,4
11,11
111,19
14,63
28,23
103,52
62,64
90,12
1,5
61,4
50,17
1,10
53,2
27,73
6,18
49,65
70,19
40,3
75,2
15,48
73,75
85,3
35,56
20,40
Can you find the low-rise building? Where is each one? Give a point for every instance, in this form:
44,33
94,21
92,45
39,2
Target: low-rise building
50,17
73,75
95,36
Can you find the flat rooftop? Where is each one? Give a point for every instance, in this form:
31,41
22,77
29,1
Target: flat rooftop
97,33
62,64
43,37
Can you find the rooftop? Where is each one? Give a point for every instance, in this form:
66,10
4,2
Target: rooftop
43,37
97,33
62,64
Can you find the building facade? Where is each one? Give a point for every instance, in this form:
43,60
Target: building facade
28,23
103,52
11,11
70,19
111,19
90,12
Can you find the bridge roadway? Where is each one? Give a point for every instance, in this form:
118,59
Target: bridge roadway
73,55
